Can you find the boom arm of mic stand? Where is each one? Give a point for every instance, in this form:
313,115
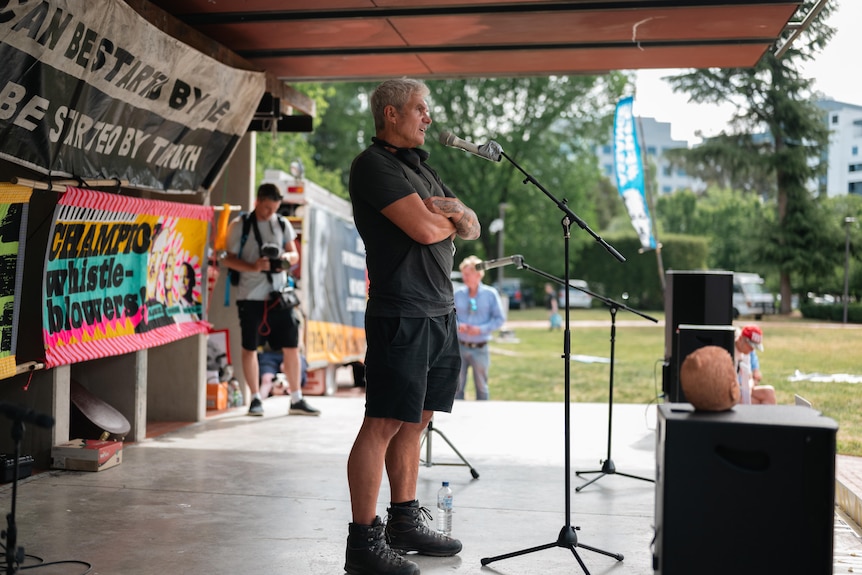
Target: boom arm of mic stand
522,265
614,304
562,205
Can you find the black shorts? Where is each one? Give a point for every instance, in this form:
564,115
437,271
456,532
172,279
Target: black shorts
412,364
279,328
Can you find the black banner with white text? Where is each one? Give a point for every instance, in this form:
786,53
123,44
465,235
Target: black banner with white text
92,90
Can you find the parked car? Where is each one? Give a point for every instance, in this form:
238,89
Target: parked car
822,299
577,298
519,294
749,296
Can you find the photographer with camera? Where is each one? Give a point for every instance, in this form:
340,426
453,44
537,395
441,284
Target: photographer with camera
261,247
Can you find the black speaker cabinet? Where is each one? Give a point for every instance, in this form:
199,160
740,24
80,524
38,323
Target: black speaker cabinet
747,491
694,298
690,338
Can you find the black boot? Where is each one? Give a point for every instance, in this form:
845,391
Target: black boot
406,530
369,554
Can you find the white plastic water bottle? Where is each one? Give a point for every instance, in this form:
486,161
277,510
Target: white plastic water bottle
444,509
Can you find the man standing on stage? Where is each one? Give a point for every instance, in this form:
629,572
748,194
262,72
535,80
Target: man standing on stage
408,219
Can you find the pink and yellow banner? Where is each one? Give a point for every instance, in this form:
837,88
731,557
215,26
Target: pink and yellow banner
122,274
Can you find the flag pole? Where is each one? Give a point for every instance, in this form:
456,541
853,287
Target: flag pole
650,197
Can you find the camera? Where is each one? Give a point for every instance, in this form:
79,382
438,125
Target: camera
273,253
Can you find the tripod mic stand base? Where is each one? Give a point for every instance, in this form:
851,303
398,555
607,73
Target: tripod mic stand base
426,439
568,538
608,468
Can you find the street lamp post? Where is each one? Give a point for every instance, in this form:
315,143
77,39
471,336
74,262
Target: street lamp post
498,226
847,222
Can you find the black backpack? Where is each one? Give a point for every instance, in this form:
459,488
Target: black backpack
232,274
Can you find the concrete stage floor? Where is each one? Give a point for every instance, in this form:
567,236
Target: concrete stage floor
236,495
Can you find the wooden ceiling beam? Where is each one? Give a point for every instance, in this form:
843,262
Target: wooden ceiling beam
291,99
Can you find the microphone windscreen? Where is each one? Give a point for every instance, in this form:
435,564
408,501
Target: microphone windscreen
446,138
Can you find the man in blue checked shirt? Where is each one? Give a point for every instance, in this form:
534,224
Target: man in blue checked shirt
479,315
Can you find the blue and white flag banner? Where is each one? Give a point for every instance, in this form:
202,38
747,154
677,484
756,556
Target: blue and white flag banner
628,165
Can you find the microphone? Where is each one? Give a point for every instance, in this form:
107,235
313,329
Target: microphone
518,260
490,151
26,415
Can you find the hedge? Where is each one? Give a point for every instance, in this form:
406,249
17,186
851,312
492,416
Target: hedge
832,312
639,275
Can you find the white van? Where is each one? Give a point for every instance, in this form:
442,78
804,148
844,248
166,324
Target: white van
749,296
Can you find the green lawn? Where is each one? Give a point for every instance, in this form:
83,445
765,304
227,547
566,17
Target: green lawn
532,369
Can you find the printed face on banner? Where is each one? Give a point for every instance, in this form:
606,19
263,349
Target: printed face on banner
173,273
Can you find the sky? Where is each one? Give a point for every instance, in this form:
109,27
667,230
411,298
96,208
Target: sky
835,72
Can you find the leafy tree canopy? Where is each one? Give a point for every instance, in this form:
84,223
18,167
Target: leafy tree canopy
548,126
278,151
776,140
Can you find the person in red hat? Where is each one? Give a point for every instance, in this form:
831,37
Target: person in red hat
748,339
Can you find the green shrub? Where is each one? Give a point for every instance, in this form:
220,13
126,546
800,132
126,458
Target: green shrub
832,312
639,275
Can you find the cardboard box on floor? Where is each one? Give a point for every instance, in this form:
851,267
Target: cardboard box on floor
87,454
217,395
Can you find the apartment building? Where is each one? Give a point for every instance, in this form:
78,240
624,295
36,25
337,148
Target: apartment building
844,156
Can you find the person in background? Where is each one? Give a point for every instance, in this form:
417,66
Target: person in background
261,320
480,314
552,304
748,339
272,378
755,368
408,219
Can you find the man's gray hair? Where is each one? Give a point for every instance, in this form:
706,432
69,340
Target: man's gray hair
395,92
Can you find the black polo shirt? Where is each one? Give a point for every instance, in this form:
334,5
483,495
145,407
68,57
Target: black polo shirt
407,279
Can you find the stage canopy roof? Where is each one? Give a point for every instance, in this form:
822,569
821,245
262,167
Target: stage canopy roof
353,40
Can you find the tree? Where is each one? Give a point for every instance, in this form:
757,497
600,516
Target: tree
549,126
728,163
729,218
838,209
675,213
278,151
607,203
773,98
345,128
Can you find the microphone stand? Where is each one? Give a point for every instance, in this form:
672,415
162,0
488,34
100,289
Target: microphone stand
15,554
608,467
426,438
567,537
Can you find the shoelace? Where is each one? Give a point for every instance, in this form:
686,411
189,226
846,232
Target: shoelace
426,515
423,515
380,547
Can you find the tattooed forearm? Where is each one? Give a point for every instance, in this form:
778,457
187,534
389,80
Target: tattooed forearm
448,207
468,227
463,218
